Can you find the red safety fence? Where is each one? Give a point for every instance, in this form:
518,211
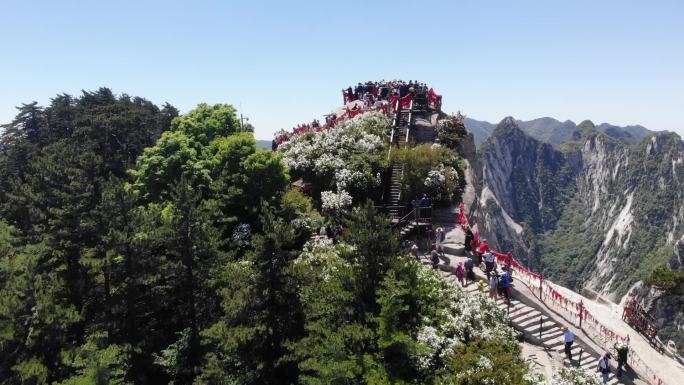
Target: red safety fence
435,100
600,333
404,102
347,114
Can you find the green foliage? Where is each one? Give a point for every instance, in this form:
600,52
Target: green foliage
332,347
377,244
206,123
176,356
433,170
450,131
265,174
198,266
484,361
97,363
175,156
260,312
669,280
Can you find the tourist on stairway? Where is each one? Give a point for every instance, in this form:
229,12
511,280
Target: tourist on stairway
470,274
569,339
506,285
468,239
439,239
460,273
483,248
493,284
622,352
489,262
414,251
434,257
604,367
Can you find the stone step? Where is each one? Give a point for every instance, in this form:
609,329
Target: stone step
532,321
533,326
560,348
533,315
523,312
515,305
551,336
453,249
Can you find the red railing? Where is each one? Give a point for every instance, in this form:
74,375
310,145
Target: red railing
601,334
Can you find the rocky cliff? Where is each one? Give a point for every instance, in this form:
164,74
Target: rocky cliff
591,212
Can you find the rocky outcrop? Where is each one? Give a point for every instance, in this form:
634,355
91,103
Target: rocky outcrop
525,185
591,212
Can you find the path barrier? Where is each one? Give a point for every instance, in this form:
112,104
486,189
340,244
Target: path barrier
387,107
601,334
346,115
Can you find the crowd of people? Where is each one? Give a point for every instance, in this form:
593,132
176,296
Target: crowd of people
391,93
499,283
383,96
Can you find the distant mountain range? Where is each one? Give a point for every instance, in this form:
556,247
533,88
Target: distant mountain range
555,132
263,144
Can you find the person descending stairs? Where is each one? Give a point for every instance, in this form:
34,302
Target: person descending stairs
536,327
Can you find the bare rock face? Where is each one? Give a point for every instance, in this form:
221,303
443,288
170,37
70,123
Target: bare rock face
592,212
679,252
522,188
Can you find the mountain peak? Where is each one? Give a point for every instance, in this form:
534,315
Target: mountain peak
509,121
586,124
507,126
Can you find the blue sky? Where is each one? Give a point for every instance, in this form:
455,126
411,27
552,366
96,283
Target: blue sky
285,63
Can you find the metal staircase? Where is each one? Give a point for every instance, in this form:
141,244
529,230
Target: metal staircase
399,139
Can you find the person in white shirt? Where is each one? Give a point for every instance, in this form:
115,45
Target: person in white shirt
569,339
439,239
489,262
414,251
604,367
493,284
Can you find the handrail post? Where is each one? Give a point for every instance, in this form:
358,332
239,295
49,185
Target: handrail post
541,321
541,282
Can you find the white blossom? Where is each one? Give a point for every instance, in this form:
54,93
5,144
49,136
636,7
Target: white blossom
326,152
335,202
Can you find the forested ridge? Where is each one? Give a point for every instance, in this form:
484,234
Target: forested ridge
140,246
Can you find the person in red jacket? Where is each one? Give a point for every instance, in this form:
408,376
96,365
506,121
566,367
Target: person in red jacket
484,247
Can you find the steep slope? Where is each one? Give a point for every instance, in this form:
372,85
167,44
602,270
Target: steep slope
525,185
594,212
480,129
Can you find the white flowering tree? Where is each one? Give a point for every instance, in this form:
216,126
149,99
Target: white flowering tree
573,376
335,203
348,156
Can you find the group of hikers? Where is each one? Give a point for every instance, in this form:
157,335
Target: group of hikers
603,366
371,92
499,282
383,96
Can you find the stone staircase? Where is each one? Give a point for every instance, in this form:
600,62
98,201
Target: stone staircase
535,324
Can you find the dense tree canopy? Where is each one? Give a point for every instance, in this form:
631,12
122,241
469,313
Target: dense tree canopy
142,247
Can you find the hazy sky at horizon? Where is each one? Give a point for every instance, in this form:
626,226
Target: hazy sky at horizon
284,63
